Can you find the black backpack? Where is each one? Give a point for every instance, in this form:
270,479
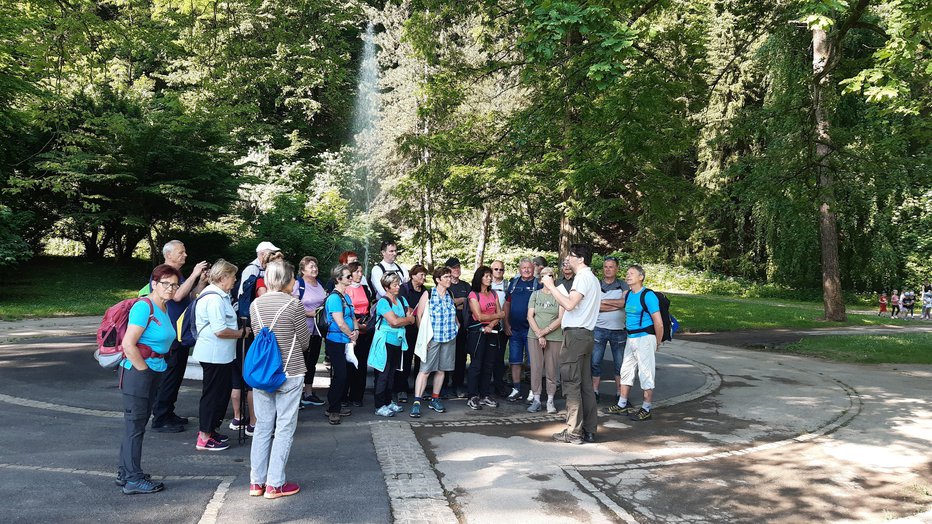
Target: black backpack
664,303
321,318
242,301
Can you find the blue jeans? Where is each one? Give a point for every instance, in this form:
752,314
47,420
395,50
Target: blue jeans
517,346
276,420
615,337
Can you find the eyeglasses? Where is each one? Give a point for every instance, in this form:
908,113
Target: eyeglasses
347,276
169,285
498,269
610,257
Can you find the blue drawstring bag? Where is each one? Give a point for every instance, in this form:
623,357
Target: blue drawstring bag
262,366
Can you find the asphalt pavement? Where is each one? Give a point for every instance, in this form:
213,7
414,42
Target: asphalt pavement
737,436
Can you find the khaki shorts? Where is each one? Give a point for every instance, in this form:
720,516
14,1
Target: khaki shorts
441,356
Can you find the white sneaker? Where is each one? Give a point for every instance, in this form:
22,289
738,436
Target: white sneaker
515,395
395,407
550,407
534,407
530,397
385,411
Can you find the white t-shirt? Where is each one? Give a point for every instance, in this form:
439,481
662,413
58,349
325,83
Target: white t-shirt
376,275
499,289
586,312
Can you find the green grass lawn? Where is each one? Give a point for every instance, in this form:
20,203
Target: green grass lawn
709,313
906,348
67,286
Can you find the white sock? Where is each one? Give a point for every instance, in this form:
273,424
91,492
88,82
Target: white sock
536,397
622,401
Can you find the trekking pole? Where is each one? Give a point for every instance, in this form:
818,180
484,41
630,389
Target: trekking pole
243,413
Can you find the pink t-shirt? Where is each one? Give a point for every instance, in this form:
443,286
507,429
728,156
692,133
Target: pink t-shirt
487,302
360,301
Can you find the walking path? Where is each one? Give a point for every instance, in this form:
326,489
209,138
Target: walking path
737,436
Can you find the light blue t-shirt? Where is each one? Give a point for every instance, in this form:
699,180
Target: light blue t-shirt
159,335
393,335
633,310
333,304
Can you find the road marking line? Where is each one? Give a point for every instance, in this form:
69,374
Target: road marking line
211,511
29,403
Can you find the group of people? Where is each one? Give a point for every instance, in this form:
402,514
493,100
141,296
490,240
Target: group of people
903,304
391,322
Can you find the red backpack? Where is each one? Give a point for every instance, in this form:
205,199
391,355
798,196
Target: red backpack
112,329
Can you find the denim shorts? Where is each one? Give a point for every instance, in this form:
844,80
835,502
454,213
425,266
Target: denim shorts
615,337
517,346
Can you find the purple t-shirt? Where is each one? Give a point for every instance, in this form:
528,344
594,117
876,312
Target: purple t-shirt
313,298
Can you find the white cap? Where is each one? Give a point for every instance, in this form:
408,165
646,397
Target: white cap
266,246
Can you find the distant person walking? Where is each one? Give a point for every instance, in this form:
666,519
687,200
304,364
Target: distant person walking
149,337
645,334
908,302
927,305
883,304
895,304
581,307
277,412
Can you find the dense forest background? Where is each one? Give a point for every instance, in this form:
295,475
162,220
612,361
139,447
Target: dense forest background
786,141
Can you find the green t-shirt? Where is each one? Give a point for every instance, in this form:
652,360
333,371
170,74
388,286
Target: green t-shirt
546,310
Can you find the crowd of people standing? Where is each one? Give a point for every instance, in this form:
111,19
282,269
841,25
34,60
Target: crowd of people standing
391,322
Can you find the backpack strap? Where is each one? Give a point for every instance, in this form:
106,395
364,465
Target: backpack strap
301,288
151,313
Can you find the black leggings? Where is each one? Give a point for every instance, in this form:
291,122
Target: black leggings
311,356
337,353
358,376
482,348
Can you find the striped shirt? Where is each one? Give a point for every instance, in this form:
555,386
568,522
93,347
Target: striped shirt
291,327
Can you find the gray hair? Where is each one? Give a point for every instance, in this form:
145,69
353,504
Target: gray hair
170,246
220,269
278,273
639,269
526,259
388,279
337,272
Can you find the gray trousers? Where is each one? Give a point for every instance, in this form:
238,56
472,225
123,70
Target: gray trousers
276,413
139,389
576,376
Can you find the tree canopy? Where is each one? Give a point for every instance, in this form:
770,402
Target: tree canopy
786,142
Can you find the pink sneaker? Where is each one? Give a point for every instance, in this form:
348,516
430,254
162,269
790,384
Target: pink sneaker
256,490
288,488
210,445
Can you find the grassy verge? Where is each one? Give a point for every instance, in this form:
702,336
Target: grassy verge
906,348
709,313
67,286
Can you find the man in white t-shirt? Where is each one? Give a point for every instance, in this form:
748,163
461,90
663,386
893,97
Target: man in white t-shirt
582,312
387,265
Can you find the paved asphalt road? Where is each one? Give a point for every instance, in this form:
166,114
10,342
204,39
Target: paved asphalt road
737,436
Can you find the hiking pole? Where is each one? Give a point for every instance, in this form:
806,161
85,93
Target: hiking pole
241,353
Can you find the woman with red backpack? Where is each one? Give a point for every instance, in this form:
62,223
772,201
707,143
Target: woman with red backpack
149,336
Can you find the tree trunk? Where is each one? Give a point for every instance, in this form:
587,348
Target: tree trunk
483,233
567,228
832,297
